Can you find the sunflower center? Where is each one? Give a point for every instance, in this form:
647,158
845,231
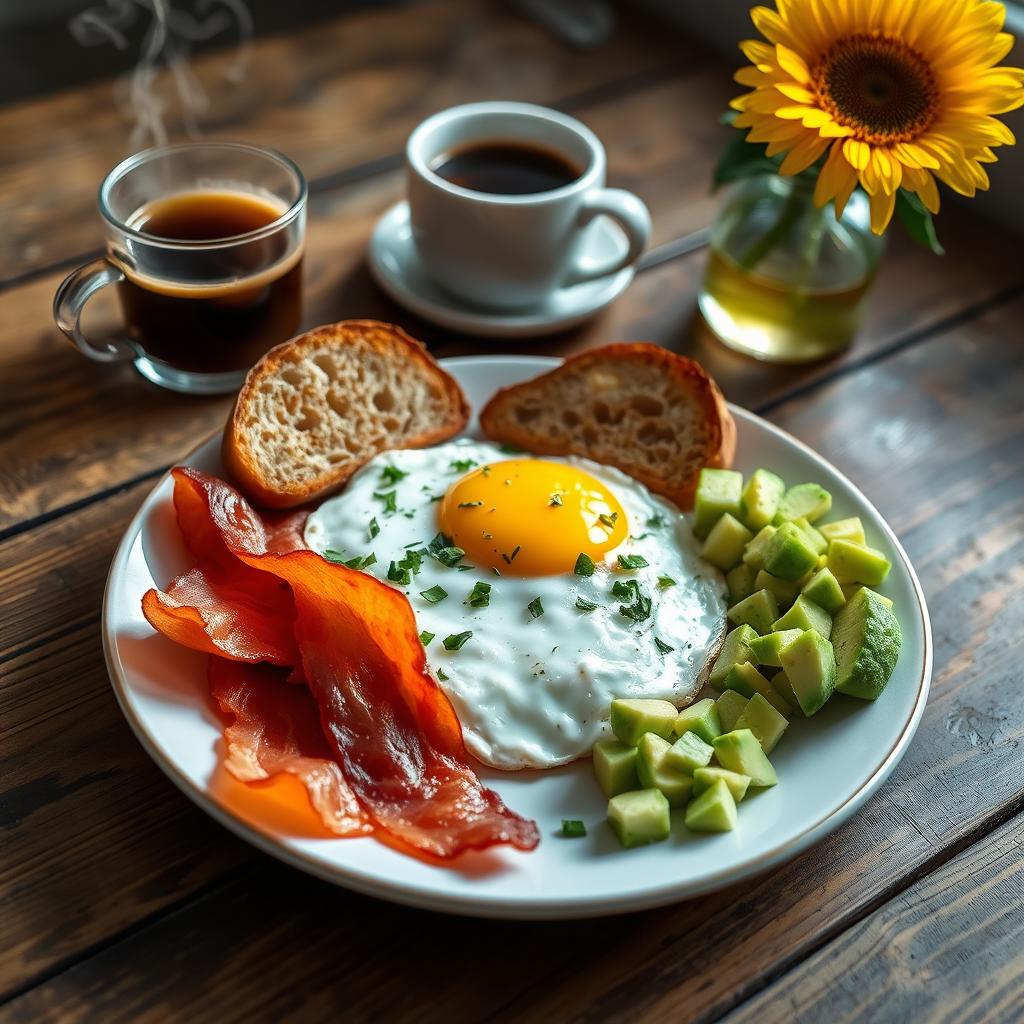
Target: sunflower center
878,86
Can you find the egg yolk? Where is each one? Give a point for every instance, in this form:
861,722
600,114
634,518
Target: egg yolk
528,517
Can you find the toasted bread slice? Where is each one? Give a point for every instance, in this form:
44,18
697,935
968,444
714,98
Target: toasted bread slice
655,415
316,408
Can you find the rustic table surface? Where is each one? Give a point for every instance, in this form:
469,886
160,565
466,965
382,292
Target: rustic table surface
119,900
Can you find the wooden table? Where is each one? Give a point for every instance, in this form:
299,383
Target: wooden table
119,900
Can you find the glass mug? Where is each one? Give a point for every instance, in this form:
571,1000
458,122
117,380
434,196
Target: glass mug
215,282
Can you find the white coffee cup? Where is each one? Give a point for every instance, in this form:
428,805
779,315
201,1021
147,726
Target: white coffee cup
513,251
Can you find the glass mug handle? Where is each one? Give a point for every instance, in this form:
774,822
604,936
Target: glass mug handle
74,292
630,213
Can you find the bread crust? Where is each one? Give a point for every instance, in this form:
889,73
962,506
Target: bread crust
693,384
386,340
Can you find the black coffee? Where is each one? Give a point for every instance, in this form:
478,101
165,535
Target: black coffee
506,168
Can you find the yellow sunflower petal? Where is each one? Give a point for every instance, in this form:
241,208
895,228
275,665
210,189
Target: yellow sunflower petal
794,92
857,152
750,76
801,156
922,182
834,177
792,63
757,51
882,205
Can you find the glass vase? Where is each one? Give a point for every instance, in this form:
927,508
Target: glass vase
786,280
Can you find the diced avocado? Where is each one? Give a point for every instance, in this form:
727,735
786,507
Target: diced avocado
804,501
789,553
703,778
824,590
766,649
631,718
688,753
654,770
640,817
849,589
760,499
730,706
755,550
713,811
758,611
701,718
739,752
843,529
785,591
735,650
805,614
817,540
740,582
718,492
615,767
763,721
810,667
747,680
857,563
822,562
867,640
782,685
725,543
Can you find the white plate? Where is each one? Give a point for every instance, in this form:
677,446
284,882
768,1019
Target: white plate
828,766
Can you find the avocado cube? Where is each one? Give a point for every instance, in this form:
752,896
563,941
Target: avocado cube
615,767
785,591
758,611
688,753
735,650
849,589
760,499
631,718
754,553
640,817
763,721
824,590
783,687
843,529
857,563
730,706
804,501
817,540
740,582
745,679
867,641
718,491
654,770
805,614
789,553
704,778
713,811
700,718
738,751
766,649
810,666
725,543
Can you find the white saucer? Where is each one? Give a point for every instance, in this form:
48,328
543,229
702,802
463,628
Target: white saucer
396,267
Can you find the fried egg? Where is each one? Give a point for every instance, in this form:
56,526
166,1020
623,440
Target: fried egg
543,588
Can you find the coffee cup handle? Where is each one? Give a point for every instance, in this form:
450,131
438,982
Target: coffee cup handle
630,213
74,292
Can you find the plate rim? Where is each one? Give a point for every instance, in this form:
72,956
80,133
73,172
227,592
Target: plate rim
514,907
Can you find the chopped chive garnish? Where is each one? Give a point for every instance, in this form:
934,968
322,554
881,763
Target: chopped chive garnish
479,596
509,559
413,561
360,561
464,568
640,608
392,474
436,497
442,548
486,471
586,606
662,646
664,582
457,641
334,556
608,518
633,562
374,528
555,499
584,565
426,637
495,571
388,497
656,520
638,536
442,675
573,828
434,594
470,504
461,465
397,574
535,608
414,544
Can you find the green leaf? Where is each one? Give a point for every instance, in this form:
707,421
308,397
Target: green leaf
584,605
434,594
573,828
479,596
426,637
584,565
457,641
918,221
741,159
630,563
535,608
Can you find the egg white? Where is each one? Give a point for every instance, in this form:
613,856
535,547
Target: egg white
534,692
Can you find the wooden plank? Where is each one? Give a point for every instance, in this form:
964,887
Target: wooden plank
916,419
334,95
951,947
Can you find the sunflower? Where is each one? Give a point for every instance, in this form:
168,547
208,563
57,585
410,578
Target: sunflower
892,93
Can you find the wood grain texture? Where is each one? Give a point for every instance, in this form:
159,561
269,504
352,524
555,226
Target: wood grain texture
944,419
949,948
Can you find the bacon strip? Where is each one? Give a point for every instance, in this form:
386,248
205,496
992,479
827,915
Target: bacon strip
391,730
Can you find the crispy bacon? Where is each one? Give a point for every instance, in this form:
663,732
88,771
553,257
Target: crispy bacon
391,730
